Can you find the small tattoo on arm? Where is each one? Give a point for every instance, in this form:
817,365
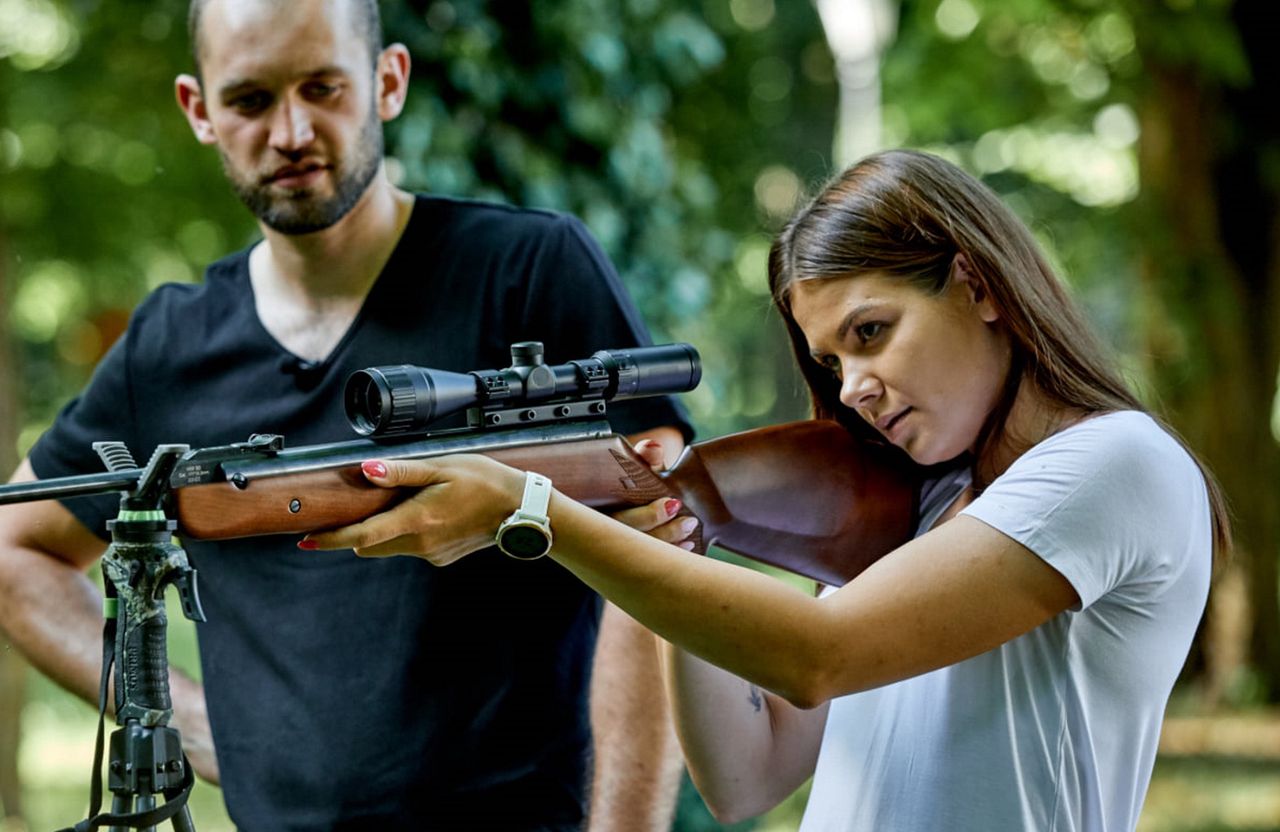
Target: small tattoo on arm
754,697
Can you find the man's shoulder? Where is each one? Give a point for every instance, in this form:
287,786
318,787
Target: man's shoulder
186,306
472,216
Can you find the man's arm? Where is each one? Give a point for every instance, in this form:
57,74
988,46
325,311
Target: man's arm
636,759
637,762
52,612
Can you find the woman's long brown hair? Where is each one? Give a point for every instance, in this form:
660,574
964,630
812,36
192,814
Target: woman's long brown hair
909,214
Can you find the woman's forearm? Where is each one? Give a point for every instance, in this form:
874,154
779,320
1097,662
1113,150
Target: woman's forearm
941,598
758,628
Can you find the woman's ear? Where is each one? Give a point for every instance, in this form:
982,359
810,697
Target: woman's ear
973,283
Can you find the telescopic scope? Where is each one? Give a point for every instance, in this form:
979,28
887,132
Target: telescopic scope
396,399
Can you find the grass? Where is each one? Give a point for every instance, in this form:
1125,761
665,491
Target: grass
1215,774
57,753
1189,793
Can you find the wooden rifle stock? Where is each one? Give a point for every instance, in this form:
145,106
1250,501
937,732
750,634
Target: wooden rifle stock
805,496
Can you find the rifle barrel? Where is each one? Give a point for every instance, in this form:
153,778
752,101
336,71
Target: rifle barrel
77,486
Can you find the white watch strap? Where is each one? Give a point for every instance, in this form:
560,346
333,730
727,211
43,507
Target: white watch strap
537,496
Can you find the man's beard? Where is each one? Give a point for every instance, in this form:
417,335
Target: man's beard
300,212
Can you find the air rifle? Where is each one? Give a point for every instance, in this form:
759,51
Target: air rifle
805,496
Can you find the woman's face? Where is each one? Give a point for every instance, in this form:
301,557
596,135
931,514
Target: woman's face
925,370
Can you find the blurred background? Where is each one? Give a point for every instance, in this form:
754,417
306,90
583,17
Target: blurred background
1136,137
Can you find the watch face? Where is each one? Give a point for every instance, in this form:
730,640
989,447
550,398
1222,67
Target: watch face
525,541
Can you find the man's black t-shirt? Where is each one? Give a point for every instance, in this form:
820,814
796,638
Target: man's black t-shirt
346,693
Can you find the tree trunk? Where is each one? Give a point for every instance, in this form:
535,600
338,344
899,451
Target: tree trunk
1211,327
13,669
857,34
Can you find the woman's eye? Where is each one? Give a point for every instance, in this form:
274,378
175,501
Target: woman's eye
830,363
868,331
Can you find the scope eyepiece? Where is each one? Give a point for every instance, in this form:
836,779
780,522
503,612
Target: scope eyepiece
399,399
650,371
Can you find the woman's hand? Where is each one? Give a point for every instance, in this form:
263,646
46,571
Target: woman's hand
659,517
462,501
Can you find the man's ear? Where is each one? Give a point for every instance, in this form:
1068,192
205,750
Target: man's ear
191,100
973,283
392,78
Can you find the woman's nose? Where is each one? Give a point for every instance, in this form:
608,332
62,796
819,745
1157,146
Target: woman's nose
860,389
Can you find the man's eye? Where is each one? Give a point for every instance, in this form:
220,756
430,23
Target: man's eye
250,102
317,90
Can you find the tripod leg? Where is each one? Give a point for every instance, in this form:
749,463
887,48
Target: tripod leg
145,803
121,804
182,821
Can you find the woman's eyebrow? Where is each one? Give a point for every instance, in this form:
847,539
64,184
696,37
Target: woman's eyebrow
855,313
847,324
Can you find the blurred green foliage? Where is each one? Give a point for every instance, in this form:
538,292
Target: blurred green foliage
1042,98
633,115
683,132
651,119
104,193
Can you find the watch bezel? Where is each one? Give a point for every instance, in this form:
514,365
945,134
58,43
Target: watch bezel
519,523
531,516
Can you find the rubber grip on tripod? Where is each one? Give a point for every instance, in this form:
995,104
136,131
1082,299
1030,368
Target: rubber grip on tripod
146,664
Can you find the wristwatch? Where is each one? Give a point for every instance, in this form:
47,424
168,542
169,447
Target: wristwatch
526,534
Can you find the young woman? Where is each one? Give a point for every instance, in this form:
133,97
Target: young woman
1008,668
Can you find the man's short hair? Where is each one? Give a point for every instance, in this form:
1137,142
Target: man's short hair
364,17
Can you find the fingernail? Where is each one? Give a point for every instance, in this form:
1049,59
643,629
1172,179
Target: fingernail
687,545
374,469
688,524
308,544
671,506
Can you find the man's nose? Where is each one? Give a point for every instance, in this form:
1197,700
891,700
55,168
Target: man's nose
291,128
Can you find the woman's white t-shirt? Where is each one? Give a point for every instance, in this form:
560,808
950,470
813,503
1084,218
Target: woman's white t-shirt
1055,731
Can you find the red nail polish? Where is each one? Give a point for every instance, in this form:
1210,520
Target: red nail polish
671,506
308,544
374,468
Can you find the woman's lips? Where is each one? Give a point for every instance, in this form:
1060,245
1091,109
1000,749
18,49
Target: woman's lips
891,427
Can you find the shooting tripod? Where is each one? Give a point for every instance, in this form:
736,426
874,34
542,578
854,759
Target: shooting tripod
146,757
